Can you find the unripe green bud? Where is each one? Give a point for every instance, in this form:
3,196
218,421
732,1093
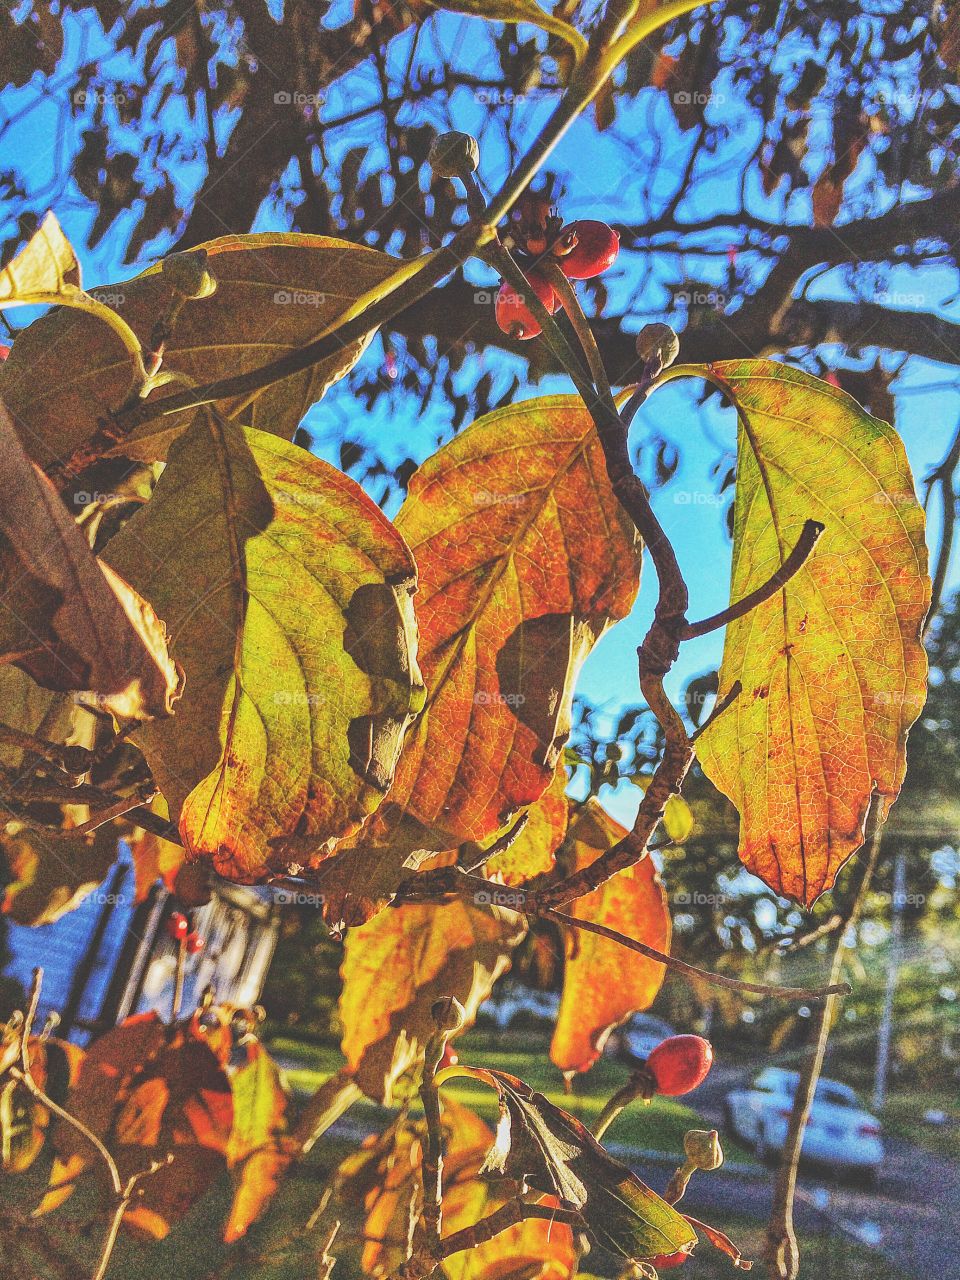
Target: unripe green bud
454,154
448,1014
658,345
702,1148
187,273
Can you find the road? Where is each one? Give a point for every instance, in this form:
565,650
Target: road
912,1216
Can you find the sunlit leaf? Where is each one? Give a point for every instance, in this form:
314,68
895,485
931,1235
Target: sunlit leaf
50,873
65,617
549,1150
275,292
287,594
45,267
396,967
832,668
256,1151
148,1090
525,558
532,853
24,1121
603,984
386,1176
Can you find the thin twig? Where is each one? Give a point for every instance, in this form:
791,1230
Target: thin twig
472,857
805,544
782,1251
717,979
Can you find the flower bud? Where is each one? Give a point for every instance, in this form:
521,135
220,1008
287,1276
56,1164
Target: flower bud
658,346
454,154
702,1148
187,273
448,1014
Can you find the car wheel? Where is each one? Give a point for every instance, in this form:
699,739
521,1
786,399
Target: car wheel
762,1149
729,1120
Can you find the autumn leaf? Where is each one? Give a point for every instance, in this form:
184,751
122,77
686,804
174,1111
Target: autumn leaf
146,1091
396,967
832,668
602,984
50,873
532,853
66,617
544,1147
386,1177
46,267
275,293
25,1121
525,559
287,593
256,1152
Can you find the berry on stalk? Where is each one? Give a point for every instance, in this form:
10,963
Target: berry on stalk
680,1063
594,248
513,315
194,944
178,926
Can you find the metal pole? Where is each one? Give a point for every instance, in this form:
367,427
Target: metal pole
885,1037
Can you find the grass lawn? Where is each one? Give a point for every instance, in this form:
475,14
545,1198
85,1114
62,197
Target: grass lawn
658,1126
822,1257
902,1117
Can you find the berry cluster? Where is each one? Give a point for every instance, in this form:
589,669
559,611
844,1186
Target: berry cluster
178,927
581,249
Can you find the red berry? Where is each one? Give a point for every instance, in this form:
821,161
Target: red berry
664,1261
514,317
177,926
680,1063
596,249
4,351
194,943
449,1059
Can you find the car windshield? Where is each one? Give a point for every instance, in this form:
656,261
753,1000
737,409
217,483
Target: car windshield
830,1092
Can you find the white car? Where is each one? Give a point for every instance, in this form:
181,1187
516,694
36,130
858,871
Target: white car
839,1131
640,1036
516,1003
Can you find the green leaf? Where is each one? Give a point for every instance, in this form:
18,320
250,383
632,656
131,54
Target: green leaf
275,293
288,596
549,1150
832,666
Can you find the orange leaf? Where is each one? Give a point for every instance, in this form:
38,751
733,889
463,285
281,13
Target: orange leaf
148,1090
531,854
398,964
387,1176
603,984
524,559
